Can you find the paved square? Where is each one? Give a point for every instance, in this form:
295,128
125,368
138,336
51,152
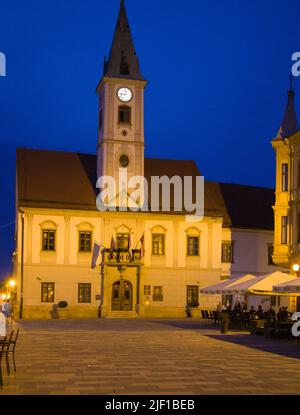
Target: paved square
148,357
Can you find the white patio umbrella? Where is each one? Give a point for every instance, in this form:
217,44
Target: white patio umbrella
291,288
221,286
260,285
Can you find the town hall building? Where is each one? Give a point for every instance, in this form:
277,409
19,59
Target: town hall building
151,263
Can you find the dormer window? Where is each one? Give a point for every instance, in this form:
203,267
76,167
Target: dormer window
124,68
124,115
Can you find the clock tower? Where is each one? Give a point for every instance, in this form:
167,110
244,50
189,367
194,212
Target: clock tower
121,108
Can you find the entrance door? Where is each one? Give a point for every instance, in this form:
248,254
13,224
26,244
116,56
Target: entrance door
122,296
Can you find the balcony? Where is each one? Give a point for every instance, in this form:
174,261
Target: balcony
122,257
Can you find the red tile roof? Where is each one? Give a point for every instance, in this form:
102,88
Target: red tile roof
62,180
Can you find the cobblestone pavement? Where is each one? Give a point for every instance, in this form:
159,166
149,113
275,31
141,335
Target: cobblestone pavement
148,357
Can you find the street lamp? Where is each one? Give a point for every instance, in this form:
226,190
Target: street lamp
12,283
296,269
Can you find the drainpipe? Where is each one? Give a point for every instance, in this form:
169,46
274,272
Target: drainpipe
22,266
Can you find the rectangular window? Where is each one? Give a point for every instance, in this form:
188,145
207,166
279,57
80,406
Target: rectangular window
122,241
84,293
47,292
48,243
158,294
227,252
192,299
193,246
270,254
284,223
85,241
284,177
158,244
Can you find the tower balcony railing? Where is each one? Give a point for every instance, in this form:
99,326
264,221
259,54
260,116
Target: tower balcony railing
122,256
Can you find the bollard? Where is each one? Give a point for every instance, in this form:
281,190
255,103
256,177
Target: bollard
224,322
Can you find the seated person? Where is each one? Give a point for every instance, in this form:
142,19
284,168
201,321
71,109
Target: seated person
252,312
237,306
260,312
280,314
285,314
271,315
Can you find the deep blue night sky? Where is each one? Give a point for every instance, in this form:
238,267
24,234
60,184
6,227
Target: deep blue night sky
218,73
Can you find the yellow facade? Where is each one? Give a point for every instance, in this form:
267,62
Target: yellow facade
67,268
287,251
287,200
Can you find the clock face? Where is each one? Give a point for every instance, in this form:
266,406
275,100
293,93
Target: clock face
124,94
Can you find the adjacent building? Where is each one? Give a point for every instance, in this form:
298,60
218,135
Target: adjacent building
287,204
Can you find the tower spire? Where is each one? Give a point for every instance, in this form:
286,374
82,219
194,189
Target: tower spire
291,83
123,61
289,125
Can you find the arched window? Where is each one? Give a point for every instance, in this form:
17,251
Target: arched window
124,114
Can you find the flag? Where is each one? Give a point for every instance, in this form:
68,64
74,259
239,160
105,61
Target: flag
113,245
142,240
96,252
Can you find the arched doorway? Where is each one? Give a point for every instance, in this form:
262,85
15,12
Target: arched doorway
121,296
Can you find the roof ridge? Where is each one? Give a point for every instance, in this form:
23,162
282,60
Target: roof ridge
164,158
244,185
53,151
